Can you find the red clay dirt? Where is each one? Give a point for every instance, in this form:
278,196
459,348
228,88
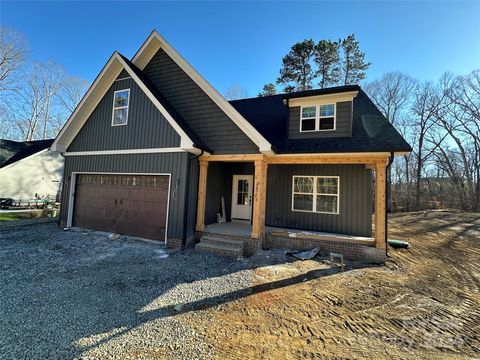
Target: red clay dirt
424,304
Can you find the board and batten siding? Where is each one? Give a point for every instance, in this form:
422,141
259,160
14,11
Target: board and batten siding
343,123
164,163
146,126
207,120
355,217
219,183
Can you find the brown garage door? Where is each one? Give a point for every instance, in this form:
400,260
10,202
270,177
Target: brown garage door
124,204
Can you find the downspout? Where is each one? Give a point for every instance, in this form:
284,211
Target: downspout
390,161
187,191
63,189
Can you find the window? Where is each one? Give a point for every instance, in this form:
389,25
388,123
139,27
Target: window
242,192
317,118
318,194
327,117
121,99
309,118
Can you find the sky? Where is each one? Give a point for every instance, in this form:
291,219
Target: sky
243,42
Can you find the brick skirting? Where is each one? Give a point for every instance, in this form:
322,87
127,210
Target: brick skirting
174,243
349,250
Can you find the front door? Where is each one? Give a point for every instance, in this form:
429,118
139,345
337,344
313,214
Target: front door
242,197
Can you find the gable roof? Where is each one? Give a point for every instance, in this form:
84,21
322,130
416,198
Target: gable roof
98,89
371,131
13,151
197,142
155,42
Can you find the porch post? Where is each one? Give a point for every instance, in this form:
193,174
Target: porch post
380,223
259,199
202,193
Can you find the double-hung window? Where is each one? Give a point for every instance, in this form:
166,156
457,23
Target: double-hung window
317,118
121,100
318,194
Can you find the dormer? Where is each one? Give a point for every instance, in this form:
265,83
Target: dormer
321,113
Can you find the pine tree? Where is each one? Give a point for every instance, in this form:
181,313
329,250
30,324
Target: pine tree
328,61
353,63
296,72
268,89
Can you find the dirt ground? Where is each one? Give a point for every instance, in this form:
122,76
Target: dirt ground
424,304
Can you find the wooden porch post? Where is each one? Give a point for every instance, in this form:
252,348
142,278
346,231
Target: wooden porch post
380,223
202,194
259,199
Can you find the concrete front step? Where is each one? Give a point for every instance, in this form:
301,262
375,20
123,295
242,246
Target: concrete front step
219,246
216,239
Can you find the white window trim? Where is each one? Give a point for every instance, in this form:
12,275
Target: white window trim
120,107
318,117
309,118
314,194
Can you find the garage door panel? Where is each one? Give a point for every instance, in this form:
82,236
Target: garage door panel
126,204
158,196
106,203
130,193
86,190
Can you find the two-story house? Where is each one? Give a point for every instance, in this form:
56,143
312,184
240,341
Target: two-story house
154,151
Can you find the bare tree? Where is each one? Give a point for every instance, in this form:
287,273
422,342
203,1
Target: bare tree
392,94
31,107
459,119
13,49
71,92
426,105
235,92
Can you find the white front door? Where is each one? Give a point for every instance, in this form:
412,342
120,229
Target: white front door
242,197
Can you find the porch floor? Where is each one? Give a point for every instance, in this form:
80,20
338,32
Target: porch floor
240,228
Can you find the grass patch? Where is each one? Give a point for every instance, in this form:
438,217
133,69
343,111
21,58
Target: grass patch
24,215
10,217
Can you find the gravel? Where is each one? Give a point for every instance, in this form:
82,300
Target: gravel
71,294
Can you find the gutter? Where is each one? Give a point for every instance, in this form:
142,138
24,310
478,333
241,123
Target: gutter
390,161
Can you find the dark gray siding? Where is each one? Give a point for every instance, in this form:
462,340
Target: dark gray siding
173,163
192,200
146,127
343,128
211,124
219,183
355,216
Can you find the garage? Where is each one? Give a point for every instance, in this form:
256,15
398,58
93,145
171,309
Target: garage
127,204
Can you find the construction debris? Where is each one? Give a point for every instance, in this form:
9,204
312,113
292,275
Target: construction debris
304,255
399,244
339,257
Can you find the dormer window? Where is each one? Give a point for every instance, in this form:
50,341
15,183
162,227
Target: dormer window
309,118
121,100
317,118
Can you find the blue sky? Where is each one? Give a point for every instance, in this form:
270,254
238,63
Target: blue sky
243,43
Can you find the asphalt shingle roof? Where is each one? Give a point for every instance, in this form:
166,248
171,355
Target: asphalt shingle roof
371,131
13,151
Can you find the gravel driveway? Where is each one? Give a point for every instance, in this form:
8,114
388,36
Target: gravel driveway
70,294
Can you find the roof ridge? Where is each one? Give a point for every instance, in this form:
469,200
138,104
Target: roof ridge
342,88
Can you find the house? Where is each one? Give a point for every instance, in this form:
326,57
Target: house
153,148
29,168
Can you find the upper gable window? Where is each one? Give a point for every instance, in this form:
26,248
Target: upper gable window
121,100
317,118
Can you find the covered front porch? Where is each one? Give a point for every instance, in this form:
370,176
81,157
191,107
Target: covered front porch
269,228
